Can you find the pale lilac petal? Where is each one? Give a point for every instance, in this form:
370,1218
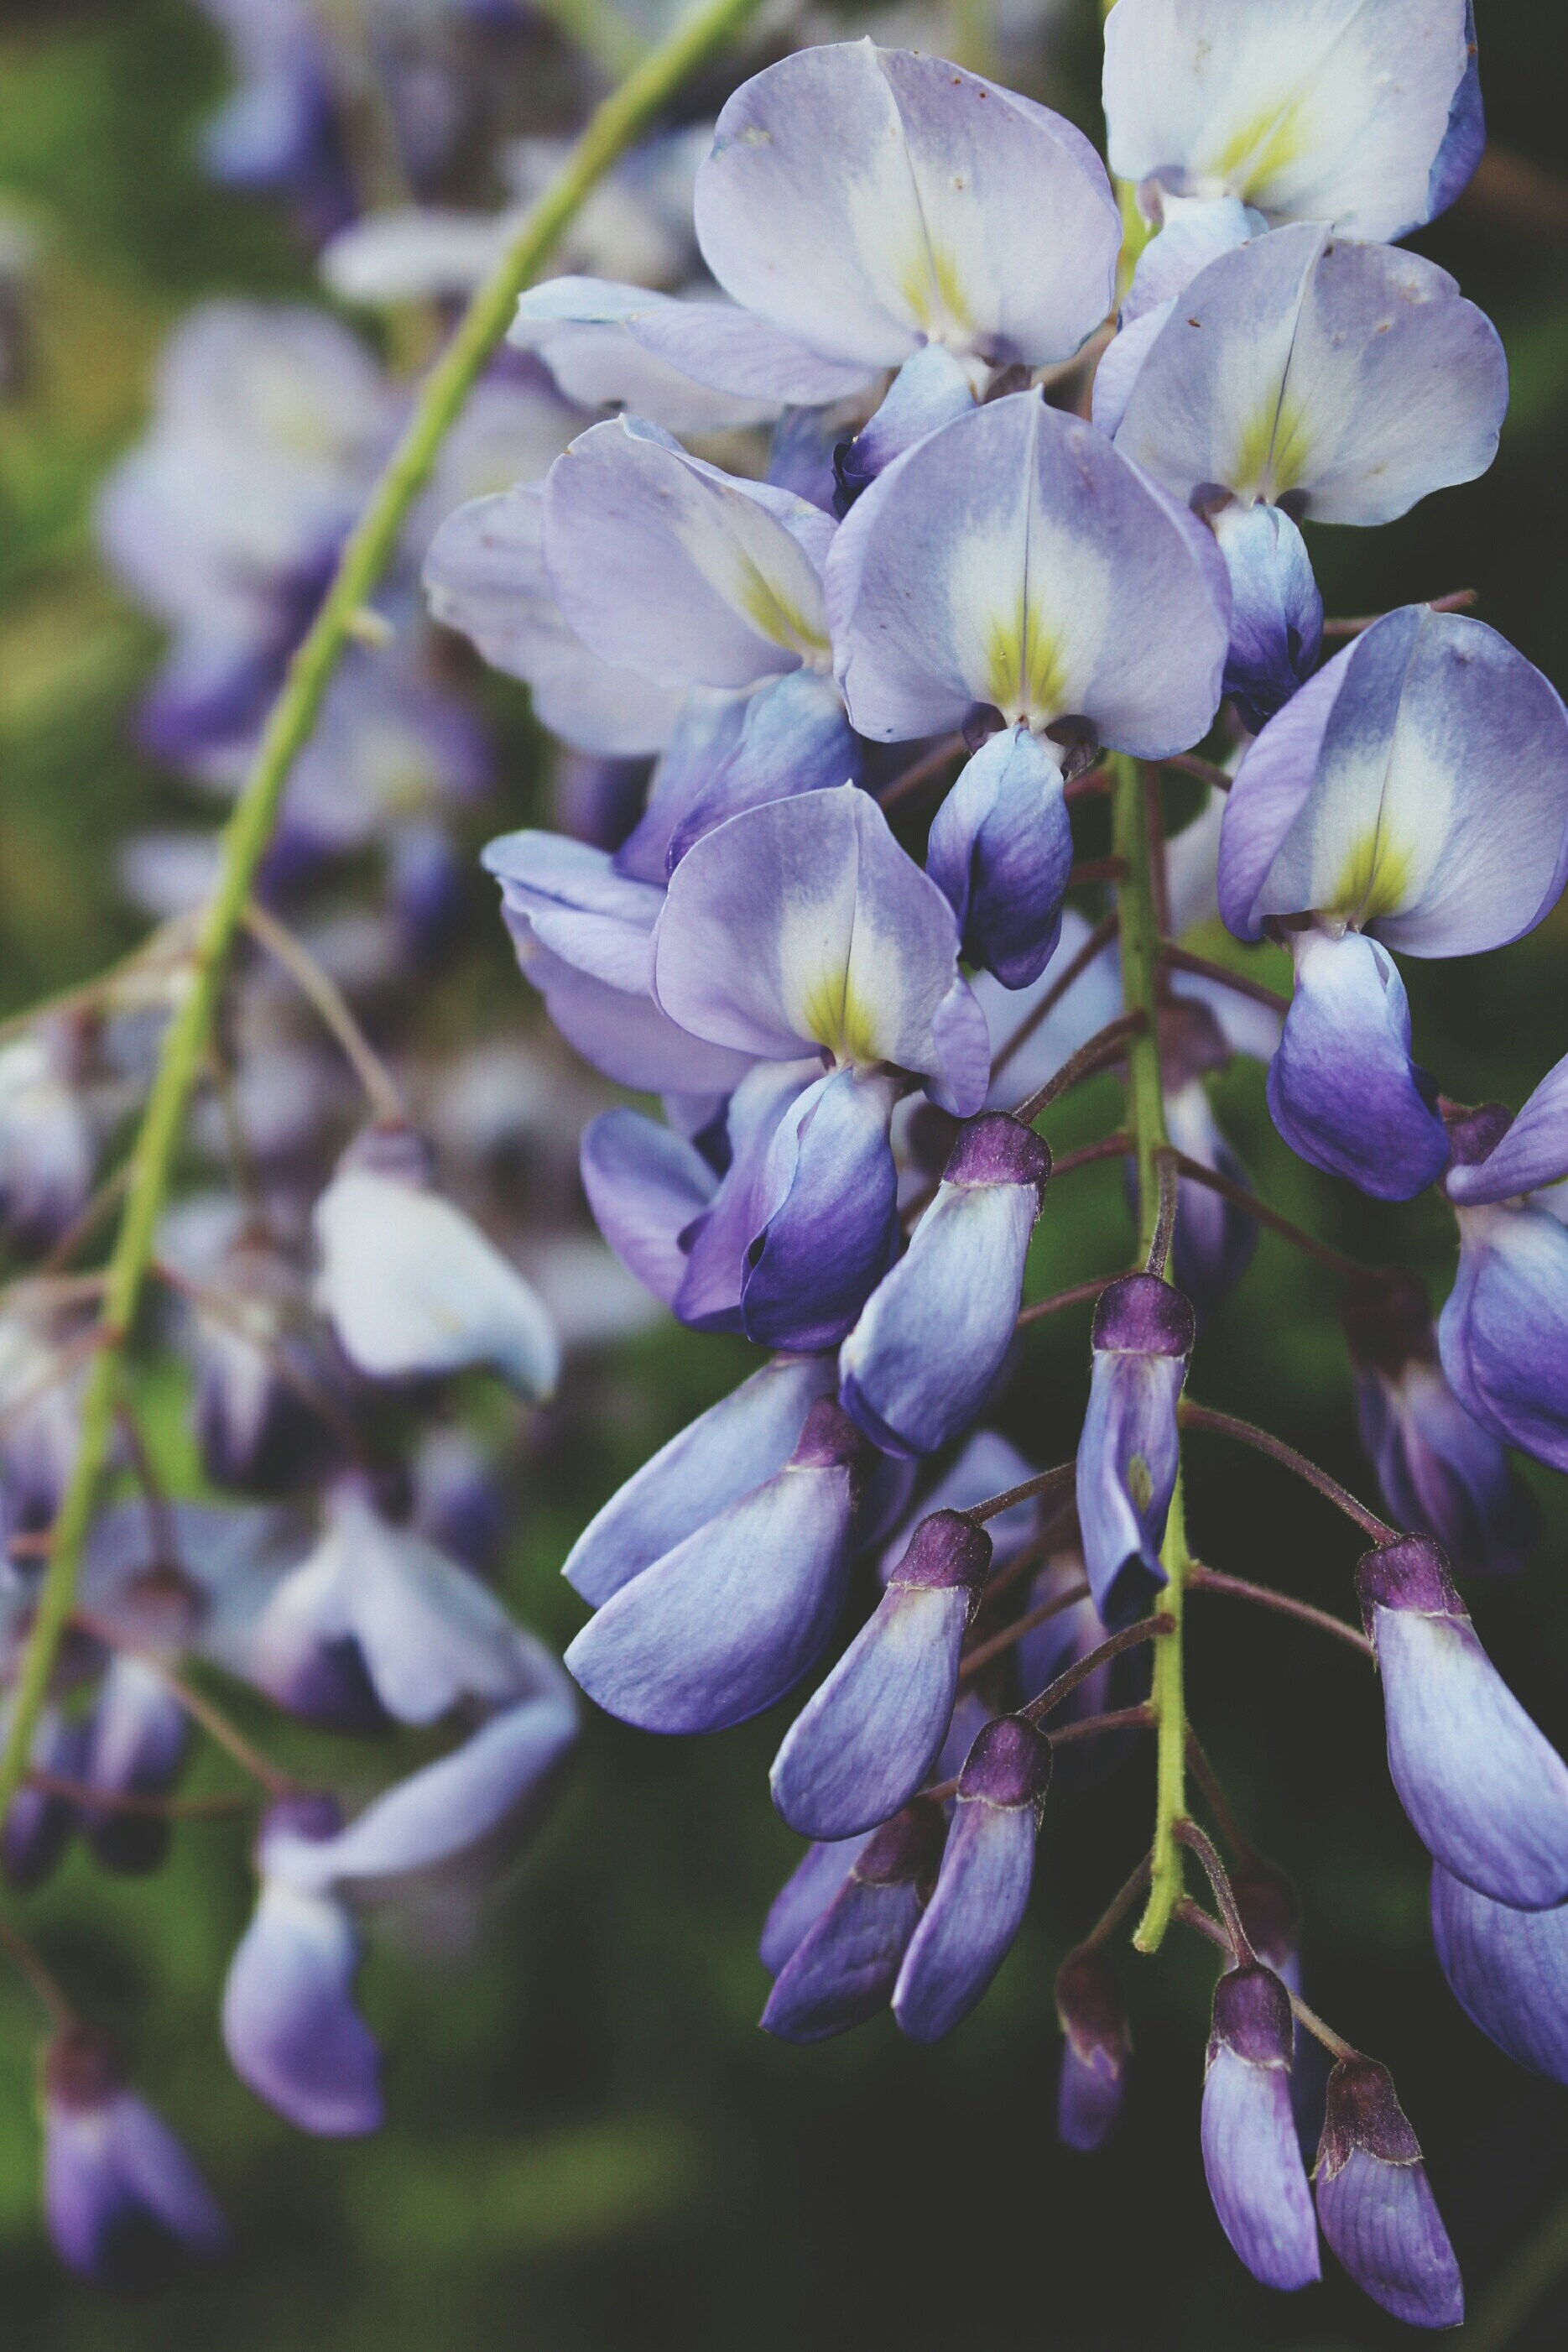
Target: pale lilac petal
484,575
802,923
1014,559
736,1446
1309,109
645,1185
1508,1970
738,565
869,200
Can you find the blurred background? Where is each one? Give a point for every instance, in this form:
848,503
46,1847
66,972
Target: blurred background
590,2147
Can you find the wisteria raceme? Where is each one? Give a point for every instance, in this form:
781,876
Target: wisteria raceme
900,546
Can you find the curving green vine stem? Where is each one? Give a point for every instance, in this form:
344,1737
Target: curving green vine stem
626,112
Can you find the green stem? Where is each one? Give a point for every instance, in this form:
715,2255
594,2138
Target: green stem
623,115
1167,1696
1140,935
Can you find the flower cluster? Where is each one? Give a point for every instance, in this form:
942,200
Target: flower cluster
1050,551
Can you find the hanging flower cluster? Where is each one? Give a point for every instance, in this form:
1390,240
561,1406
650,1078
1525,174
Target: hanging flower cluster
1047,558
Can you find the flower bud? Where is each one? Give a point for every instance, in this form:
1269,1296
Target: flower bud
729,1621
842,1969
869,1736
38,1825
268,1378
1250,2154
125,2206
1486,1791
935,1333
1129,1451
982,1889
1374,2205
1097,2046
805,1896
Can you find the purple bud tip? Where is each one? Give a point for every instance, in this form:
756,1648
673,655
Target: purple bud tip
389,1148
1364,2111
996,1149
1410,1574
1474,1135
82,2069
1252,2016
312,1814
1089,2005
909,1847
1269,1911
946,1550
831,1441
1009,1765
1143,1316
1387,1323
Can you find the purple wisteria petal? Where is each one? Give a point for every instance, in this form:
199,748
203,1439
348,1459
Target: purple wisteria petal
867,201
1375,2207
736,1446
1441,1474
1508,1970
867,1738
1350,379
982,1889
135,1745
1276,611
38,1825
1000,851
484,1797
1096,2051
739,564
805,1896
645,1185
424,1633
484,576
1343,1089
1532,1152
714,345
583,930
830,1224
1464,141
794,738
802,924
843,1967
1129,1452
291,2027
933,1335
929,390
411,1286
1015,559
1503,1333
729,1619
1336,113
1485,1789
1381,804
707,731
125,2206
1250,2153
719,1243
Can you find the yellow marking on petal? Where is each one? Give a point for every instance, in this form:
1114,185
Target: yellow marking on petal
1259,150
1024,670
931,286
1375,881
773,616
1271,452
832,1016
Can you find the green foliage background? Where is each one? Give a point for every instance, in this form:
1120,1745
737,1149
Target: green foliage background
591,2148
